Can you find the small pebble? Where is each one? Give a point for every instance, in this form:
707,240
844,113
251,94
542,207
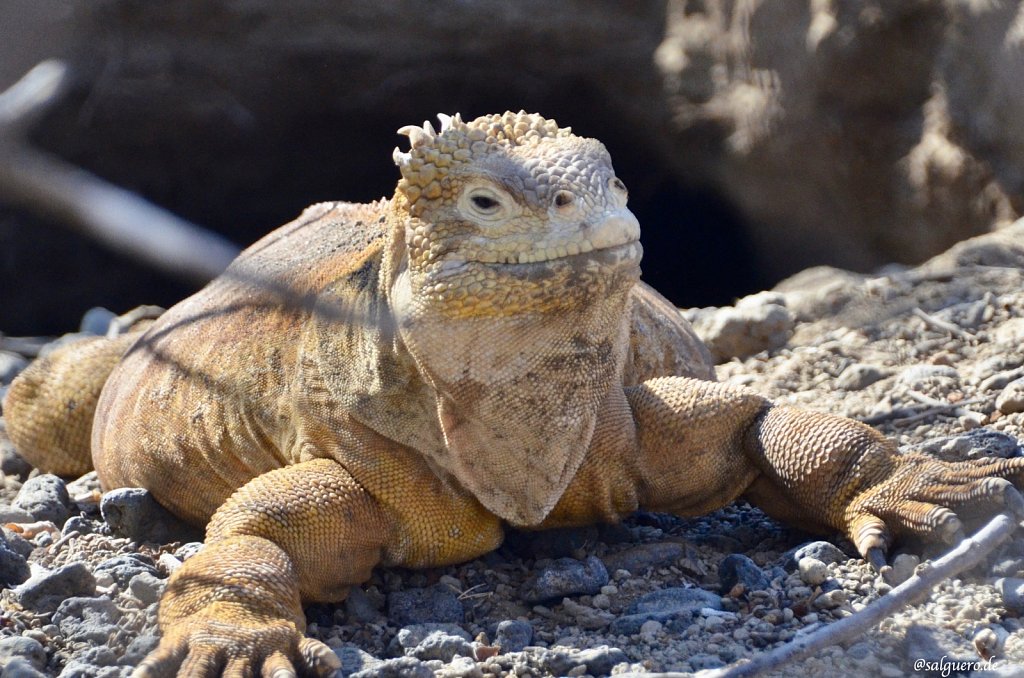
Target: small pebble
27,648
859,376
14,568
645,556
1012,591
45,497
812,571
46,590
133,512
1011,399
739,569
417,606
566,577
513,635
146,587
830,600
649,628
903,567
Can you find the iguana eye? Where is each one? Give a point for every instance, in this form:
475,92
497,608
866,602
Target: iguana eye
617,184
563,198
485,203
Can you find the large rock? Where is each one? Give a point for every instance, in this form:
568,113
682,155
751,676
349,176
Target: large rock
852,133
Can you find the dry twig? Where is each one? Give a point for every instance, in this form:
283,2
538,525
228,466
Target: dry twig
118,218
945,326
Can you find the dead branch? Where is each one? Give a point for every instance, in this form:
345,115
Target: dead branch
942,325
116,217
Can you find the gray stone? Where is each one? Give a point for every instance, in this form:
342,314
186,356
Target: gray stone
665,606
147,587
45,591
11,463
1008,567
859,376
513,635
87,620
757,323
15,542
645,556
701,662
978,443
187,550
361,608
598,660
677,598
419,606
354,659
402,667
79,525
29,649
1011,398
139,648
96,321
126,566
859,651
410,636
903,567
18,667
830,600
566,577
436,643
1012,591
132,512
96,662
739,569
45,497
826,552
14,568
812,571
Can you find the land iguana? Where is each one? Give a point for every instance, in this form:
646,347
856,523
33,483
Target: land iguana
393,383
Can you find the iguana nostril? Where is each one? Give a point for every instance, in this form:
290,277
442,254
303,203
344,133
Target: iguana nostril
563,198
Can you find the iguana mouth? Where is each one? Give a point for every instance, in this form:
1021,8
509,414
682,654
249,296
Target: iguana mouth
617,229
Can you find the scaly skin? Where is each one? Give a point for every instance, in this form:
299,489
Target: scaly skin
392,383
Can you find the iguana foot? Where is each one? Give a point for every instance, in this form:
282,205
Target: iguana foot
833,472
926,498
219,648
233,609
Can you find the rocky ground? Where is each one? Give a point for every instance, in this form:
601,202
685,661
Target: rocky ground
933,356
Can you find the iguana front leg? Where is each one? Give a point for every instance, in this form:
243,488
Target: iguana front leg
306,531
704,444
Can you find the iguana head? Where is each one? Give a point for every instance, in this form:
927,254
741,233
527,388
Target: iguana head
512,267
505,209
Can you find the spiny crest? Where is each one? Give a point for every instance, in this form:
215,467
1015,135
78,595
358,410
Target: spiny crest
433,154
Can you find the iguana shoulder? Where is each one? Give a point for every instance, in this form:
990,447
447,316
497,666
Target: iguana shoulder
217,374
